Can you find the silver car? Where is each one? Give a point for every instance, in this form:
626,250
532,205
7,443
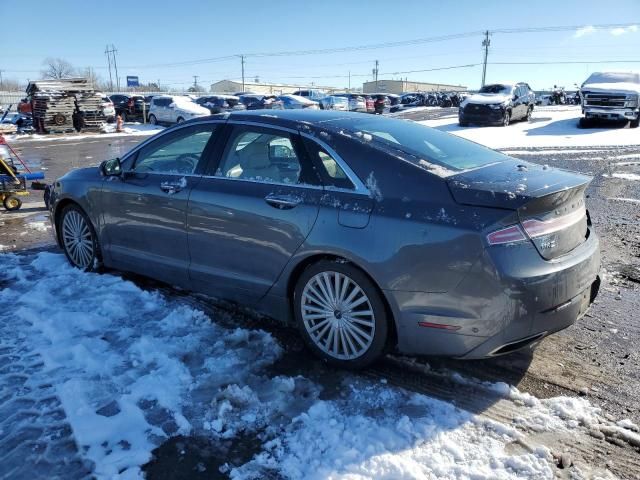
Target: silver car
331,102
368,233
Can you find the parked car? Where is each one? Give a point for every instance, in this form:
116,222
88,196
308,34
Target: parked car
499,103
295,102
312,94
220,103
108,109
130,107
543,100
254,101
356,101
174,109
332,102
271,212
611,96
381,103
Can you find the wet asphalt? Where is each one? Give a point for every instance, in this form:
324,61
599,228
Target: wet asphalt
597,357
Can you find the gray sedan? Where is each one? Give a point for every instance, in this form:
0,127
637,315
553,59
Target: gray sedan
370,234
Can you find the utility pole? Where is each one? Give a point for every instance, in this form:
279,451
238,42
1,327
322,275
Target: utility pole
1,83
375,75
107,52
349,81
195,82
115,65
242,66
485,43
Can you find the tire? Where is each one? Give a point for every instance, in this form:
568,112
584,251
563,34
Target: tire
153,120
529,114
59,119
506,120
124,117
338,339
12,203
180,120
74,225
634,123
463,124
584,123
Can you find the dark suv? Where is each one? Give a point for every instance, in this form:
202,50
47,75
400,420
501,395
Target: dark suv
130,107
498,103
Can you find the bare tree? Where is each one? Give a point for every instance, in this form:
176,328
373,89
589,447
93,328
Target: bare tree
57,68
12,85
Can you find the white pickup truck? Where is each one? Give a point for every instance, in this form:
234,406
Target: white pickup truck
611,96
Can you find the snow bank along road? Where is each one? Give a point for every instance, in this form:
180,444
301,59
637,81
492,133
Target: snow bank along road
96,372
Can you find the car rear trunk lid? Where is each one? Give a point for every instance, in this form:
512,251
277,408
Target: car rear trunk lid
549,202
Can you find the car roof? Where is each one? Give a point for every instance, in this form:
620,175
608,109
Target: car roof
285,118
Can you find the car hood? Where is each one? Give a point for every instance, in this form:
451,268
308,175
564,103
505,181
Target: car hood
511,184
487,98
614,87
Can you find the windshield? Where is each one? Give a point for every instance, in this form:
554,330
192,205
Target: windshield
613,77
497,88
428,145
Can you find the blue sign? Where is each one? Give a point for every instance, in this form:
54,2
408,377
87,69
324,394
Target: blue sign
133,82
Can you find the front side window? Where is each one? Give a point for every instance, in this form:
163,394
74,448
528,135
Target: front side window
260,155
176,153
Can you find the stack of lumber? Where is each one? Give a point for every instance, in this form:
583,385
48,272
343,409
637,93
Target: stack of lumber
53,111
60,106
89,105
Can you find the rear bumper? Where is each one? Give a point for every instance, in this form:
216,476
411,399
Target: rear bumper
506,302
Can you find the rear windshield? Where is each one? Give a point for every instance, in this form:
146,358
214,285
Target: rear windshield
614,77
427,146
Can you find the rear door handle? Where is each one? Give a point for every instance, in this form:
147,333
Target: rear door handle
283,202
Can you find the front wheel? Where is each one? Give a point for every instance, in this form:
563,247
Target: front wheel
506,120
634,123
340,314
79,239
153,120
529,114
12,203
180,120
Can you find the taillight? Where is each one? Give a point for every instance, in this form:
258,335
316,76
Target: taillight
537,228
506,235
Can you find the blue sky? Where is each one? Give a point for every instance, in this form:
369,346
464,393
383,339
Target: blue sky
150,34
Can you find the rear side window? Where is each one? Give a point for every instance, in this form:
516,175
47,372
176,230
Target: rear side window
331,173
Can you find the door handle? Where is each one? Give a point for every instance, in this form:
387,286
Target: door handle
171,187
283,202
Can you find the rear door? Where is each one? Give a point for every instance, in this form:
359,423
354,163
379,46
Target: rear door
251,212
144,210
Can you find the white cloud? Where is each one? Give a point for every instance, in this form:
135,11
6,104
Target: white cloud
622,30
581,32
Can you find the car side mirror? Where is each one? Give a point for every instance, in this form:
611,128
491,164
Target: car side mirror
111,168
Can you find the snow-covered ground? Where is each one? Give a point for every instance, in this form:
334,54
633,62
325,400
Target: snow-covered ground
550,127
132,129
129,368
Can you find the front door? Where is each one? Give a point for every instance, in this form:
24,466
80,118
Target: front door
144,210
250,214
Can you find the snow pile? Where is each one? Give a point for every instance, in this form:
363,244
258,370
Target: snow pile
132,368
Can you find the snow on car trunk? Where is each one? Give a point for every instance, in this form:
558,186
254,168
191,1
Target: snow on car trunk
132,367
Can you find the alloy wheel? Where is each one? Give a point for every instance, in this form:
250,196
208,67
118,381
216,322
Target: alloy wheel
78,239
338,315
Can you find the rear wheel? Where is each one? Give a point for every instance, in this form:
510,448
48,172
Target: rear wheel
180,120
529,114
12,203
79,239
340,314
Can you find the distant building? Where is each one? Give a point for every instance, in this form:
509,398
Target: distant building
401,86
232,86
